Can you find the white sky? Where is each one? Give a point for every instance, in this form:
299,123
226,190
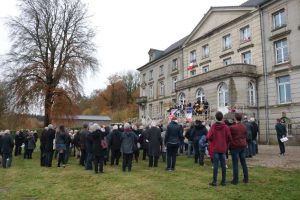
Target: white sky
127,29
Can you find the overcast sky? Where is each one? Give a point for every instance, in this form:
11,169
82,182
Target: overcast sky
127,29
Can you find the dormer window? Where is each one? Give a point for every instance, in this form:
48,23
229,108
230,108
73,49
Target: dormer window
151,57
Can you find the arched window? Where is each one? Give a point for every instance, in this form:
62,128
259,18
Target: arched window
200,95
181,98
251,94
223,98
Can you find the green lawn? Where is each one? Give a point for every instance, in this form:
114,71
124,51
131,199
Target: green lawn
27,180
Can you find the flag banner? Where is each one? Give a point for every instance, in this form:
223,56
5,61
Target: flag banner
189,114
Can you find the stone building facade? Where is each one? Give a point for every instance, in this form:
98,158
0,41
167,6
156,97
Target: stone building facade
242,57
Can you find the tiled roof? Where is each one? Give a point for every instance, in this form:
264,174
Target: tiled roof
175,45
93,117
252,3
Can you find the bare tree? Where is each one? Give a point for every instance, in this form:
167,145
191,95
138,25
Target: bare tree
131,81
52,50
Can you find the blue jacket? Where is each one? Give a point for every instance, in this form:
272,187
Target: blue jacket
173,133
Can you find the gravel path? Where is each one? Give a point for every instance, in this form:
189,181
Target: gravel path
268,156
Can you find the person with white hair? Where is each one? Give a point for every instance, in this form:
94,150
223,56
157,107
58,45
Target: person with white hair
254,136
7,149
155,140
50,135
114,139
99,147
127,145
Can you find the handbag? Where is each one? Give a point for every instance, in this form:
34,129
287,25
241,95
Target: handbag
284,139
103,144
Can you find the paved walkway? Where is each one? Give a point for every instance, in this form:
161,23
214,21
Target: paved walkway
269,157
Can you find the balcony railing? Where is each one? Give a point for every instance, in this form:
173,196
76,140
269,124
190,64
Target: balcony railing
141,100
231,70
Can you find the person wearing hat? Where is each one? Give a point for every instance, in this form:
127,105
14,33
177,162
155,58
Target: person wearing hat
173,138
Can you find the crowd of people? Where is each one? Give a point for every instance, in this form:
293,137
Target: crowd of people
95,145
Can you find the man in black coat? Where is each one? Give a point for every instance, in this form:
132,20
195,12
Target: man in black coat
114,139
145,143
50,135
82,139
155,140
172,140
18,142
7,149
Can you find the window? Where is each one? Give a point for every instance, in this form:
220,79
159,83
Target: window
150,91
279,19
284,89
205,69
246,57
281,51
150,110
162,89
150,75
251,94
143,92
161,108
181,98
245,34
144,77
174,80
193,56
174,64
193,72
227,42
205,51
223,95
200,95
161,70
227,61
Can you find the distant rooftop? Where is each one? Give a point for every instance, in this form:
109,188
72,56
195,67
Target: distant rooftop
93,117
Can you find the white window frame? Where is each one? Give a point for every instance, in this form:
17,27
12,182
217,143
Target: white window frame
150,75
161,70
284,87
227,42
193,56
181,98
223,95
174,80
193,72
279,19
150,110
247,57
200,95
161,108
227,61
174,64
205,51
144,77
281,51
251,94
245,34
162,88
151,95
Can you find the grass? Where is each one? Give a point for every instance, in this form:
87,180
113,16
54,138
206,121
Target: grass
27,180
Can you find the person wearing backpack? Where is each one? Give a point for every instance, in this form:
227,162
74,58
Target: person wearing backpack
198,131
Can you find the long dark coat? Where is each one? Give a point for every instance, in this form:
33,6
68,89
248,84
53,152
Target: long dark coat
97,137
155,140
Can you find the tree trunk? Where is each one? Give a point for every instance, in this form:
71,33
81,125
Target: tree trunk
48,108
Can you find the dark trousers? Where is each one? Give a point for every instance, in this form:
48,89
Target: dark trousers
67,154
98,163
61,158
171,155
43,157
6,160
164,155
127,161
201,157
216,158
49,157
145,152
88,161
115,156
18,150
153,160
136,155
196,151
82,157
25,152
281,146
236,155
29,152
